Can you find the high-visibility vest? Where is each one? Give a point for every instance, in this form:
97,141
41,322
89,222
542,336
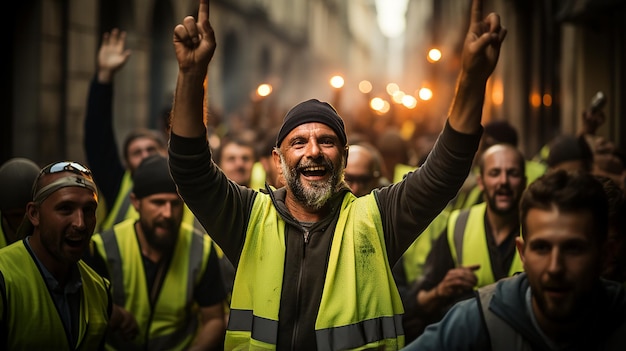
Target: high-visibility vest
30,314
3,238
468,243
172,322
358,268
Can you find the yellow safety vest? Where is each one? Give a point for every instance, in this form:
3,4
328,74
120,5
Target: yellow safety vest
360,304
122,208
468,243
3,238
29,312
172,322
414,258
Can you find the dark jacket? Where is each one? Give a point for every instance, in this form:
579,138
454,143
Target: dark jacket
463,327
223,207
100,143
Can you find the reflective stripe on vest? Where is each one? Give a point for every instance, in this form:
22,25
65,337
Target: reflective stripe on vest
175,299
27,299
468,243
371,317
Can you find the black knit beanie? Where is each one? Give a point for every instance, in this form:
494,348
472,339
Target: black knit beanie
312,110
153,177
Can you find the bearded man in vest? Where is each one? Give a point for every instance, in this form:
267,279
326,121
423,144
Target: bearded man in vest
477,247
560,301
49,298
313,261
165,275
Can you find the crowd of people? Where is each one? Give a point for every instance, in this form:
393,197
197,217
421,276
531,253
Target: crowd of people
308,238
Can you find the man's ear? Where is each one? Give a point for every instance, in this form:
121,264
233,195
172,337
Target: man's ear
135,201
519,244
276,160
32,212
479,182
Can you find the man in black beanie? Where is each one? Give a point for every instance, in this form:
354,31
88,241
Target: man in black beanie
161,264
313,261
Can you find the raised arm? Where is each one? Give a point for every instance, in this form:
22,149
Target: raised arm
112,55
481,50
194,43
99,137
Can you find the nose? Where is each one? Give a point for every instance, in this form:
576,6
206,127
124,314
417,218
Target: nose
313,149
78,220
556,262
166,210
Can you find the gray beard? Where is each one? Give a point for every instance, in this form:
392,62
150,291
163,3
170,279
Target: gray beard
317,194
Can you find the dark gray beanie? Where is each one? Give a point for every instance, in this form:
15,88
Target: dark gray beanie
17,176
309,111
152,176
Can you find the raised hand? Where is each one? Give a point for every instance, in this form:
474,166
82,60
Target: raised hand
481,48
194,42
112,54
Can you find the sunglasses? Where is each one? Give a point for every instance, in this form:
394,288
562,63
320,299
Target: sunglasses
66,166
84,179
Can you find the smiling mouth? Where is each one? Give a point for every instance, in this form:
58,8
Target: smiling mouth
315,171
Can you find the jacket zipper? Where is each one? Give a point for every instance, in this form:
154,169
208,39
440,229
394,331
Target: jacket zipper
295,329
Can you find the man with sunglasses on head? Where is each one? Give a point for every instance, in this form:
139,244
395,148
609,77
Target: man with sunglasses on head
43,277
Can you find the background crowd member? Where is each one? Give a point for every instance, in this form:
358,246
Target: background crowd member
560,302
478,246
266,171
42,276
364,169
236,157
303,276
496,132
570,153
16,185
113,177
162,271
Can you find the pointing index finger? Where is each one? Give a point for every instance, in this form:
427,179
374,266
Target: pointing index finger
203,11
477,11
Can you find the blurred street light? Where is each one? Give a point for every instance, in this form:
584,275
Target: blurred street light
264,90
365,86
337,82
425,94
434,55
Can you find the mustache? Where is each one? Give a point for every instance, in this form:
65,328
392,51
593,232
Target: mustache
322,161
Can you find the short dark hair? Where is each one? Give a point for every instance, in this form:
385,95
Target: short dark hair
233,139
569,192
143,133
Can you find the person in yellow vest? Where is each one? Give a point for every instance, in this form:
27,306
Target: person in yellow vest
113,175
496,132
50,299
16,183
314,261
364,169
560,301
478,245
165,274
